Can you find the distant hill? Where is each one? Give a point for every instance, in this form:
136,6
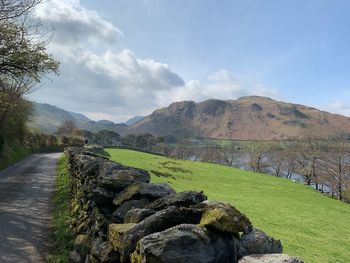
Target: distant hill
47,118
249,117
134,120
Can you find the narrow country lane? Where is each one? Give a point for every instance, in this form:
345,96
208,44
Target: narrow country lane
26,191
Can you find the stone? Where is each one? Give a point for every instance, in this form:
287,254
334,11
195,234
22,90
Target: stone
270,258
87,165
116,177
103,251
186,243
224,217
119,214
102,197
116,233
82,245
138,191
74,257
136,215
124,237
258,242
96,247
91,259
107,254
184,199
94,154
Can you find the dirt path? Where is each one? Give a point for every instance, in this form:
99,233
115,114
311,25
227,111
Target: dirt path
26,190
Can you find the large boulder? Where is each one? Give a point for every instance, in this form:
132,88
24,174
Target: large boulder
119,214
184,199
224,218
102,197
87,165
186,243
270,258
138,191
137,215
121,177
124,237
258,242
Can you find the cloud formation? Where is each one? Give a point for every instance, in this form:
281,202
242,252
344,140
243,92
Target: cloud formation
115,84
340,108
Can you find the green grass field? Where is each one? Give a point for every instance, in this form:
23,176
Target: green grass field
310,226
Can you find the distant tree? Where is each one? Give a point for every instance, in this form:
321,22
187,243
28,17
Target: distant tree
227,154
68,128
335,167
278,162
183,149
210,152
144,140
129,140
258,153
105,137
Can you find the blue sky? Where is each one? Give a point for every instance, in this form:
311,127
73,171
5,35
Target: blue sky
297,51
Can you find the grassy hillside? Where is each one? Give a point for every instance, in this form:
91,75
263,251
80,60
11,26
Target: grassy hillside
311,226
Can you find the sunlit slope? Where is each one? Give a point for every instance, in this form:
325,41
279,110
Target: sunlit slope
311,226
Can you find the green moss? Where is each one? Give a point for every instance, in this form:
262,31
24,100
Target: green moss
116,233
135,257
127,194
61,241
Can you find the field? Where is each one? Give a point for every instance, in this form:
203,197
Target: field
310,226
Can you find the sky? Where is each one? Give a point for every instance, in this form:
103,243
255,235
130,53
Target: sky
122,58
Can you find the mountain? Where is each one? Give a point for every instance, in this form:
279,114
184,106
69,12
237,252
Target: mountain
246,118
134,120
47,118
79,116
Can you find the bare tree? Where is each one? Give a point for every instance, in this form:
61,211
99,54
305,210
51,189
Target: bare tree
258,153
14,9
183,149
68,128
277,162
305,153
335,164
229,154
211,152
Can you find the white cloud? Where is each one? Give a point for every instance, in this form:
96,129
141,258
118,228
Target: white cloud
340,108
74,23
115,84
220,85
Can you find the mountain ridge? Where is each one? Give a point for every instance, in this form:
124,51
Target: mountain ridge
246,118
47,118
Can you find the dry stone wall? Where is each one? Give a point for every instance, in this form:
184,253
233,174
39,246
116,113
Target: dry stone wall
119,216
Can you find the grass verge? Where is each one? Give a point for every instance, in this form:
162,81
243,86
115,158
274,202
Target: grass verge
61,238
12,154
310,225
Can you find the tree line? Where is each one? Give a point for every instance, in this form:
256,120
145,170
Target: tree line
24,61
321,162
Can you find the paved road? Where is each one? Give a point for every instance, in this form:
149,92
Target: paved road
26,191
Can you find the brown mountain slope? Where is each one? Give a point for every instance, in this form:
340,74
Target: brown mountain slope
245,118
